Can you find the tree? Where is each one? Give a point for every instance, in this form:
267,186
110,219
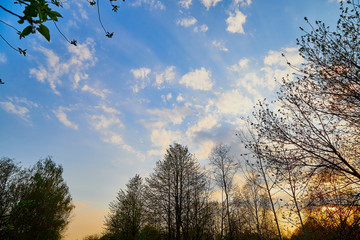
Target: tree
254,162
176,192
316,124
11,184
126,212
254,205
333,205
224,168
37,13
40,205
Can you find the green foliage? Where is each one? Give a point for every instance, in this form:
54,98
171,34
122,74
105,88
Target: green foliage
36,203
36,13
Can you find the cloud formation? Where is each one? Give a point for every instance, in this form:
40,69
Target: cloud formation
200,79
219,46
154,4
235,22
210,3
165,77
186,22
185,3
201,28
61,115
82,57
18,106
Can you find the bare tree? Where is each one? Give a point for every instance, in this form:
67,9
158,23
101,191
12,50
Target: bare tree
256,163
177,189
224,169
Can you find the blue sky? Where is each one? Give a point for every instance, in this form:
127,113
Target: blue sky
183,71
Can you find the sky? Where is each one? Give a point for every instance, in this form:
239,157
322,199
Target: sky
185,71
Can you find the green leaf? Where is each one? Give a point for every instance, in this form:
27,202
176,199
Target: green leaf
53,15
44,31
26,31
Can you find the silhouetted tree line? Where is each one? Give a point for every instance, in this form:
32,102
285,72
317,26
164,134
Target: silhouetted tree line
299,167
35,202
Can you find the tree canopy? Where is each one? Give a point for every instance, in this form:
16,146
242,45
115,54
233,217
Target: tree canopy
35,202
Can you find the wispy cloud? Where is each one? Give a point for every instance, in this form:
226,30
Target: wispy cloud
165,116
185,3
186,22
210,3
154,4
82,57
18,106
3,58
235,22
243,3
167,76
234,103
141,76
201,28
180,98
219,46
200,79
61,115
97,92
241,65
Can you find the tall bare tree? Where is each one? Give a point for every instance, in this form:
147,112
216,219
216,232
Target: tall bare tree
224,169
177,189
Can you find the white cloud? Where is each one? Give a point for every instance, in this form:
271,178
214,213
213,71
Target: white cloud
108,109
154,4
166,115
82,57
186,22
205,123
219,46
109,125
142,77
163,138
141,73
205,149
168,96
113,138
241,65
101,122
235,22
243,3
116,139
19,106
202,28
233,103
3,58
82,11
167,76
185,3
210,3
12,108
200,79
180,98
276,66
98,92
275,58
62,117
